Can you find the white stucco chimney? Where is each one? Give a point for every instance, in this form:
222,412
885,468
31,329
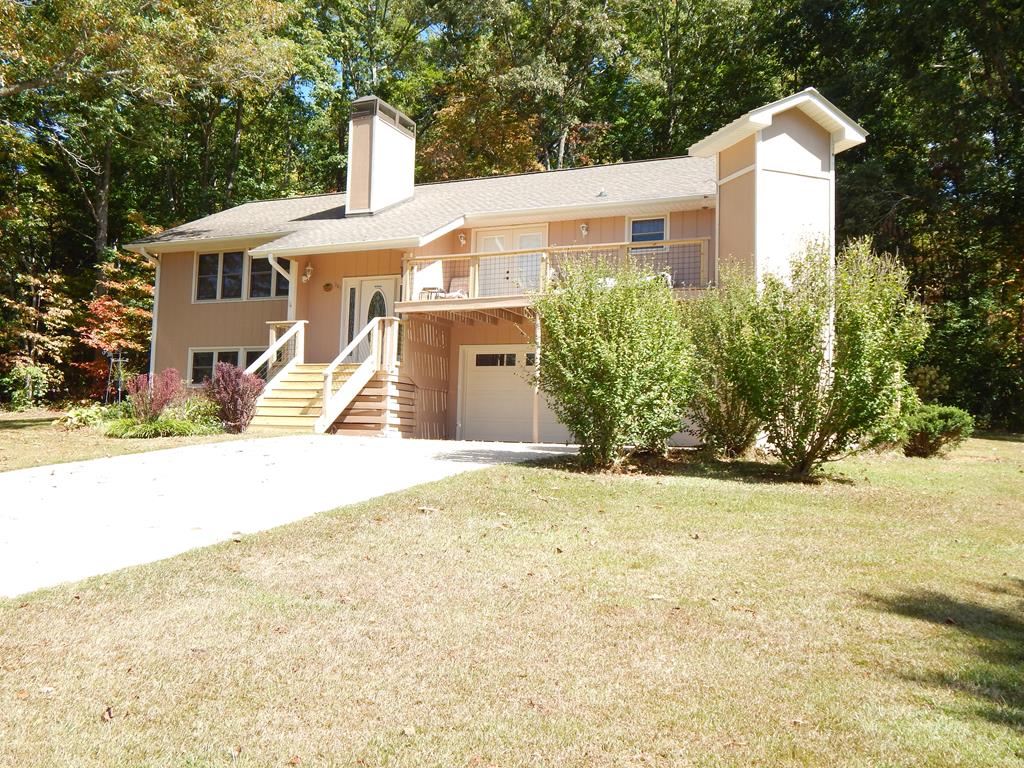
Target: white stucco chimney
381,156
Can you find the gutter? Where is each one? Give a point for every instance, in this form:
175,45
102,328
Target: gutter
155,261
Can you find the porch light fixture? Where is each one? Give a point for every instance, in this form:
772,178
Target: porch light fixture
584,229
307,273
462,238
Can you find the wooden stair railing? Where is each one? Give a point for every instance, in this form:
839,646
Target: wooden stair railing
378,341
283,353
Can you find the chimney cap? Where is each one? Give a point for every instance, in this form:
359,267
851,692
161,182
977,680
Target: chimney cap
368,106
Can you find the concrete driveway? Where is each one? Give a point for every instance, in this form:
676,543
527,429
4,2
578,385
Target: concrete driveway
68,521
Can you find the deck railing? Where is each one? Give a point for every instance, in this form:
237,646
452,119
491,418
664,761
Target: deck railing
685,263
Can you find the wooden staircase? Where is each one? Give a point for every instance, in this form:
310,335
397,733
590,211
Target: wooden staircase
385,406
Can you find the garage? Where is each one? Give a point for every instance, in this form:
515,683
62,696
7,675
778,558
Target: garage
496,396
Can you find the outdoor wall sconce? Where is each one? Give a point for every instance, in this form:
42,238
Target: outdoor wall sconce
462,238
307,273
584,229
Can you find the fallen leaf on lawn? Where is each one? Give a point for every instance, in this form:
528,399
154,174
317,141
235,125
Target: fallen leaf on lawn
22,694
427,510
46,690
655,597
558,550
108,714
294,760
409,731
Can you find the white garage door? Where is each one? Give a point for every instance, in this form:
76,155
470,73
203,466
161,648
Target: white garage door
496,397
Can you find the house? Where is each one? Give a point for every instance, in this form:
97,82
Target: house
405,309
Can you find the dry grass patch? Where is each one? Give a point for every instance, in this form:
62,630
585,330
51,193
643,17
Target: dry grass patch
532,616
30,439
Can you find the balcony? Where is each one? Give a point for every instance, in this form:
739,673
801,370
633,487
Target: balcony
508,280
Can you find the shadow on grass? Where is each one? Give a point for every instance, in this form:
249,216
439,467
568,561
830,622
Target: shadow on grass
695,464
995,676
1003,437
26,422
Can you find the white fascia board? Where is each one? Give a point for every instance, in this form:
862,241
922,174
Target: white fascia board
197,243
846,132
582,210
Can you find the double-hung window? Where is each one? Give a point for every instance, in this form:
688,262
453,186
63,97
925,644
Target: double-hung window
219,276
647,230
265,281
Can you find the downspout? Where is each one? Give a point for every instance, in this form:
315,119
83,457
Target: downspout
290,277
155,261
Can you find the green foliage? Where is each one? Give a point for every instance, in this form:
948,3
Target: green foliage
936,429
616,361
197,409
93,415
165,426
719,324
826,388
26,386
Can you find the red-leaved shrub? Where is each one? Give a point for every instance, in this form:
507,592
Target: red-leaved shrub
149,398
235,392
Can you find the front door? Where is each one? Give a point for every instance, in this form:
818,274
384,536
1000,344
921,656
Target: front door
363,299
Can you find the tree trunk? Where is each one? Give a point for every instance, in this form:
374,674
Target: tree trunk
102,205
236,144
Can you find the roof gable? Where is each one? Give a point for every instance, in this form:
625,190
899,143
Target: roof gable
845,132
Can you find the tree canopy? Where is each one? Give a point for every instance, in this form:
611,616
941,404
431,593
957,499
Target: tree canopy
117,118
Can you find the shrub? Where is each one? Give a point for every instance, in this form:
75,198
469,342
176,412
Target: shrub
718,323
164,426
825,387
615,363
149,396
198,409
90,416
26,386
935,429
235,393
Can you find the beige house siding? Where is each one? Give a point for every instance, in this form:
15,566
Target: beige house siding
794,190
736,221
183,323
320,300
740,155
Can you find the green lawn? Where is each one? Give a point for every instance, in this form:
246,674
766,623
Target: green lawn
525,616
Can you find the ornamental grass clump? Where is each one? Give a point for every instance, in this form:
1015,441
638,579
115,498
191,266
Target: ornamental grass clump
615,361
235,393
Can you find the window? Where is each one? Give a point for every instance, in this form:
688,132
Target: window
265,281
222,276
203,361
490,360
219,276
646,230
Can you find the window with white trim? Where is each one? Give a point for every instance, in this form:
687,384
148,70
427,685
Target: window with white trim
219,276
203,362
647,230
265,281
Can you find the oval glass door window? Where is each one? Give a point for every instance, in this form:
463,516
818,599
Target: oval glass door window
378,306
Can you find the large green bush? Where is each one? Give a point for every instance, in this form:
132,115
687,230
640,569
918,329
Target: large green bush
719,325
27,386
615,361
827,353
935,429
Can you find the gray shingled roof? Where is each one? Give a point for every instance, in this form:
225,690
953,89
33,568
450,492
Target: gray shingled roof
319,220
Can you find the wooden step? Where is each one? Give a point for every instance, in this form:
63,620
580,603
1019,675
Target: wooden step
288,410
282,421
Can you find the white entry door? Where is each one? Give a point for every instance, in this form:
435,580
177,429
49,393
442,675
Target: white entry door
364,298
496,396
514,274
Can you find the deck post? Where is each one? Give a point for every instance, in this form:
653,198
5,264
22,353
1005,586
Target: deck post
536,377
